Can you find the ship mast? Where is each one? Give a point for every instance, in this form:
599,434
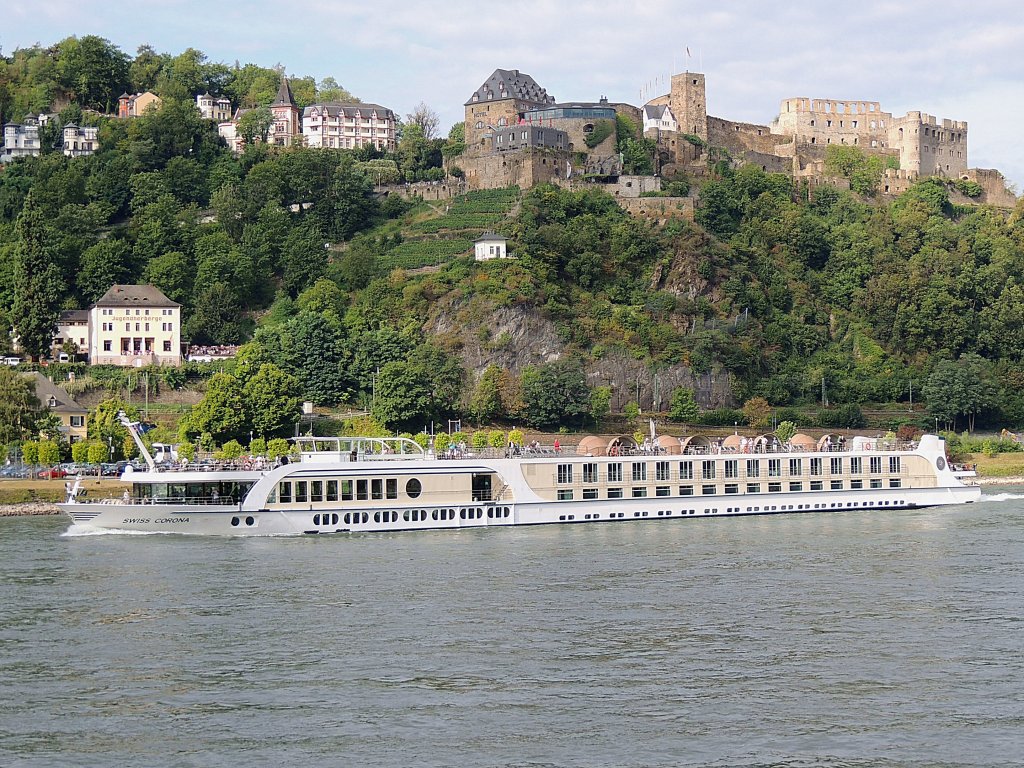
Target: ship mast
133,430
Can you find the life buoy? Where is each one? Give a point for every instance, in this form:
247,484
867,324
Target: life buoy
613,451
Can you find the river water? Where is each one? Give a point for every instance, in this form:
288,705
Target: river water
855,639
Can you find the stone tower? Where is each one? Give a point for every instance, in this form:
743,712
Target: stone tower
689,105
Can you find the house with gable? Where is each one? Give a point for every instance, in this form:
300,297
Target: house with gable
58,402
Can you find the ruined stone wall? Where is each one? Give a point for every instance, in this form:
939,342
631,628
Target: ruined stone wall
994,185
740,137
929,147
428,190
831,121
658,209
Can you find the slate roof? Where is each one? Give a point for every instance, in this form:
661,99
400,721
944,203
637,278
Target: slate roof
284,95
135,296
510,84
74,316
334,109
46,389
655,111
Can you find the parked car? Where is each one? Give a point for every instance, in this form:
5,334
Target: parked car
13,472
53,473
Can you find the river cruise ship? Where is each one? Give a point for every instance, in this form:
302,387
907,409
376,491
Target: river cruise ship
362,484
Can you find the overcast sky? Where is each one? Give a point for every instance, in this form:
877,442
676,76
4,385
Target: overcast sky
957,60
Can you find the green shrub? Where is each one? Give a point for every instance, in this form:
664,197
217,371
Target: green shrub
722,417
602,130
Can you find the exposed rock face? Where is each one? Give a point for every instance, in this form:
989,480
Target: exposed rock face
510,337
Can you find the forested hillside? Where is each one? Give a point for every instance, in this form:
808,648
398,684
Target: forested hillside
774,292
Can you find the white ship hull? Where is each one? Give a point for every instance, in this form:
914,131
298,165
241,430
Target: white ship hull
232,520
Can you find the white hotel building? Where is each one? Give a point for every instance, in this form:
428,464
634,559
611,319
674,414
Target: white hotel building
349,126
131,325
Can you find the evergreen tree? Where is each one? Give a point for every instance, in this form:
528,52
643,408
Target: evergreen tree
38,285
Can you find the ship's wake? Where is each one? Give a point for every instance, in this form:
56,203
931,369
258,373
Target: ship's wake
82,530
1002,496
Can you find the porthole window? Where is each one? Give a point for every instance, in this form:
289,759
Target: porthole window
413,488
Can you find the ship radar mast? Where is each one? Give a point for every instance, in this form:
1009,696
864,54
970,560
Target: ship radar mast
136,433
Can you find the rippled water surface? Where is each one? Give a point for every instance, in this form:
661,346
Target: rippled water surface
858,639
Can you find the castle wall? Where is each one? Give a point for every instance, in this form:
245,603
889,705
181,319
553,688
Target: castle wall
929,147
524,168
829,121
742,137
659,209
688,102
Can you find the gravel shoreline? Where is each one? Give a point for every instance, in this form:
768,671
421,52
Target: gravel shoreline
28,508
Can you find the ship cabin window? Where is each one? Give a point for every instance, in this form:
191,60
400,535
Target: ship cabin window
316,490
856,484
876,482
707,470
661,471
836,485
796,467
753,468
796,486
856,465
285,492
836,465
362,490
564,474
590,493
816,468
876,464
774,467
774,487
332,490
614,493
391,488
565,494
686,490
346,490
753,487
686,470
894,464
615,473
708,490
639,471
413,488
639,493
817,485
589,474
732,488
895,482
377,488
732,468
301,491
662,490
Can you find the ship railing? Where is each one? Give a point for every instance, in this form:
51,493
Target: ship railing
163,500
507,453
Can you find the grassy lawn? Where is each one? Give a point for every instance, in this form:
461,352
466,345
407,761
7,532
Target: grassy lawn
20,491
1000,465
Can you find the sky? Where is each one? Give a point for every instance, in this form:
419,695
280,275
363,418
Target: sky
955,60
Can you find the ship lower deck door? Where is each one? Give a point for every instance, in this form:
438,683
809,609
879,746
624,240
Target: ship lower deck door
482,487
